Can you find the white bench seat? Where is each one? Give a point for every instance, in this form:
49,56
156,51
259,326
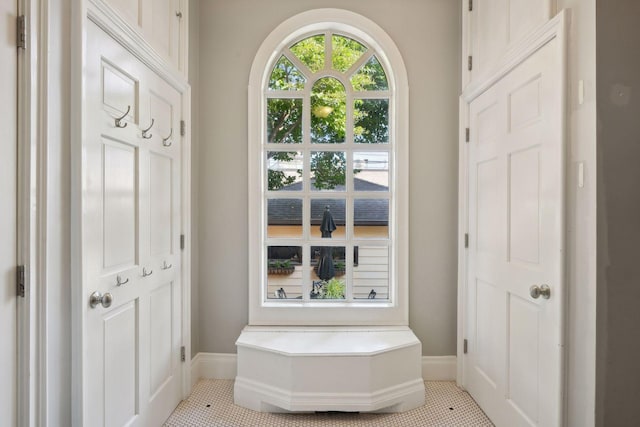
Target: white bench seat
372,369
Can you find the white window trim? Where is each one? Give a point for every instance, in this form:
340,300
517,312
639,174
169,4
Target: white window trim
335,313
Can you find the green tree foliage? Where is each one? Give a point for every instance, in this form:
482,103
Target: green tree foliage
371,121
310,52
346,52
284,121
328,111
277,179
329,169
328,108
285,76
370,77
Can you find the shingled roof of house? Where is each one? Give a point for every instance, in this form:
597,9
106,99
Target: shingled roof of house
366,211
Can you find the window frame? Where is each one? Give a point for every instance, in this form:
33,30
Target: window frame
337,312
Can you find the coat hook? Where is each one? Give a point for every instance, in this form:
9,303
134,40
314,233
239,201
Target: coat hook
118,120
165,141
146,273
144,132
166,266
119,281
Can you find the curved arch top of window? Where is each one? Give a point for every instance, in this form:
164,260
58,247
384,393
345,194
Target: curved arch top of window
312,54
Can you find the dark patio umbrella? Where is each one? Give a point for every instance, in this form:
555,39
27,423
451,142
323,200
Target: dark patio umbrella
326,270
328,226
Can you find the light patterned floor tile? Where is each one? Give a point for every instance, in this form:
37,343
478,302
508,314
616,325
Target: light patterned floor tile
211,404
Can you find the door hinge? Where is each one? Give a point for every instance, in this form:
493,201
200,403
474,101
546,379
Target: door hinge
183,128
466,240
183,354
467,134
182,242
470,63
21,32
21,281
470,5
465,346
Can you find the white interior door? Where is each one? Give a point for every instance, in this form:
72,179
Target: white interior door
8,226
498,24
132,372
516,238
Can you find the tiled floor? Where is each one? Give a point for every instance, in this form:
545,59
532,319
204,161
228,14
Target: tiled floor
211,405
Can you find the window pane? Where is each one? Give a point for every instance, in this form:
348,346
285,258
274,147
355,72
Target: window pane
328,169
371,275
328,111
371,121
284,121
370,76
346,52
371,218
284,218
284,272
285,76
328,265
371,171
284,171
310,52
337,212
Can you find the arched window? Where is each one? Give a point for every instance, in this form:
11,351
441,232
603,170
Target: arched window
328,160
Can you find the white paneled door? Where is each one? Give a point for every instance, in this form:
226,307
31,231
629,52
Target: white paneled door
131,224
515,259
498,24
8,209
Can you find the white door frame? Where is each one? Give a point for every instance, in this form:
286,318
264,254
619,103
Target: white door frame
108,20
32,202
555,28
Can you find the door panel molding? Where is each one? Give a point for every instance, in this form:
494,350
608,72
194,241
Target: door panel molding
108,19
518,53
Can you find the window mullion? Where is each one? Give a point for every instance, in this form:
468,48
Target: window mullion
283,94
328,50
372,94
359,63
308,74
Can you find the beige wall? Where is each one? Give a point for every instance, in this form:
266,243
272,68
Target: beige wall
427,34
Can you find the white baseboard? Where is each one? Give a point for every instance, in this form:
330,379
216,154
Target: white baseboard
219,366
222,366
439,368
